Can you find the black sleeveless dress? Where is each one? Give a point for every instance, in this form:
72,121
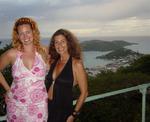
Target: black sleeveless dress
61,106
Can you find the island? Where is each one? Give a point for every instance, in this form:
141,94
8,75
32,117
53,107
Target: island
119,53
100,45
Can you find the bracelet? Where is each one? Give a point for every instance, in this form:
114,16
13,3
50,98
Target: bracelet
75,113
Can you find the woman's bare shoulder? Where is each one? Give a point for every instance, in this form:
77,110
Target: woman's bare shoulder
77,62
8,57
11,53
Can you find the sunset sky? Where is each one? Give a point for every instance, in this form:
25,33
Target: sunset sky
86,18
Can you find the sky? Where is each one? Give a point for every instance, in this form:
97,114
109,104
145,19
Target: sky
85,18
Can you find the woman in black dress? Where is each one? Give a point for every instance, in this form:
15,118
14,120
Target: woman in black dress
66,71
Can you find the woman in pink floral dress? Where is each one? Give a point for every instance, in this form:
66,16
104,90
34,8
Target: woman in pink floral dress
27,97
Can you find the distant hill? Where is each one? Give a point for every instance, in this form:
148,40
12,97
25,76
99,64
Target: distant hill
100,45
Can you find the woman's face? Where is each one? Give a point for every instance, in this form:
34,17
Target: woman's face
60,44
25,34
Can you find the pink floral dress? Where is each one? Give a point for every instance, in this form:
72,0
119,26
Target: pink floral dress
27,99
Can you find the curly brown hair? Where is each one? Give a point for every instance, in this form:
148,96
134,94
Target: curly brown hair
16,43
74,49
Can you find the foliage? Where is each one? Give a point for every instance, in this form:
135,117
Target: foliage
141,65
120,108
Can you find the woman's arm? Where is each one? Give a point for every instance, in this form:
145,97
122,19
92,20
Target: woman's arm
81,78
5,59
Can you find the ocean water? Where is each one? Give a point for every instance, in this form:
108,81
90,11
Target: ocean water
90,61
142,46
89,57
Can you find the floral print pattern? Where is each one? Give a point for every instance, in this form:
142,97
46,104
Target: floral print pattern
37,96
27,99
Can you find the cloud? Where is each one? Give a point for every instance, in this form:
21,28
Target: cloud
84,17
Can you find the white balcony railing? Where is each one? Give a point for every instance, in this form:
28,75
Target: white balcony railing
142,88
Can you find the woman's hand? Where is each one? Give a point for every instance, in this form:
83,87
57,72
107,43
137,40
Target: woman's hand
7,96
70,119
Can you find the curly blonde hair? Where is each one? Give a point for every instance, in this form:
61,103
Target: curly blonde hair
16,43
